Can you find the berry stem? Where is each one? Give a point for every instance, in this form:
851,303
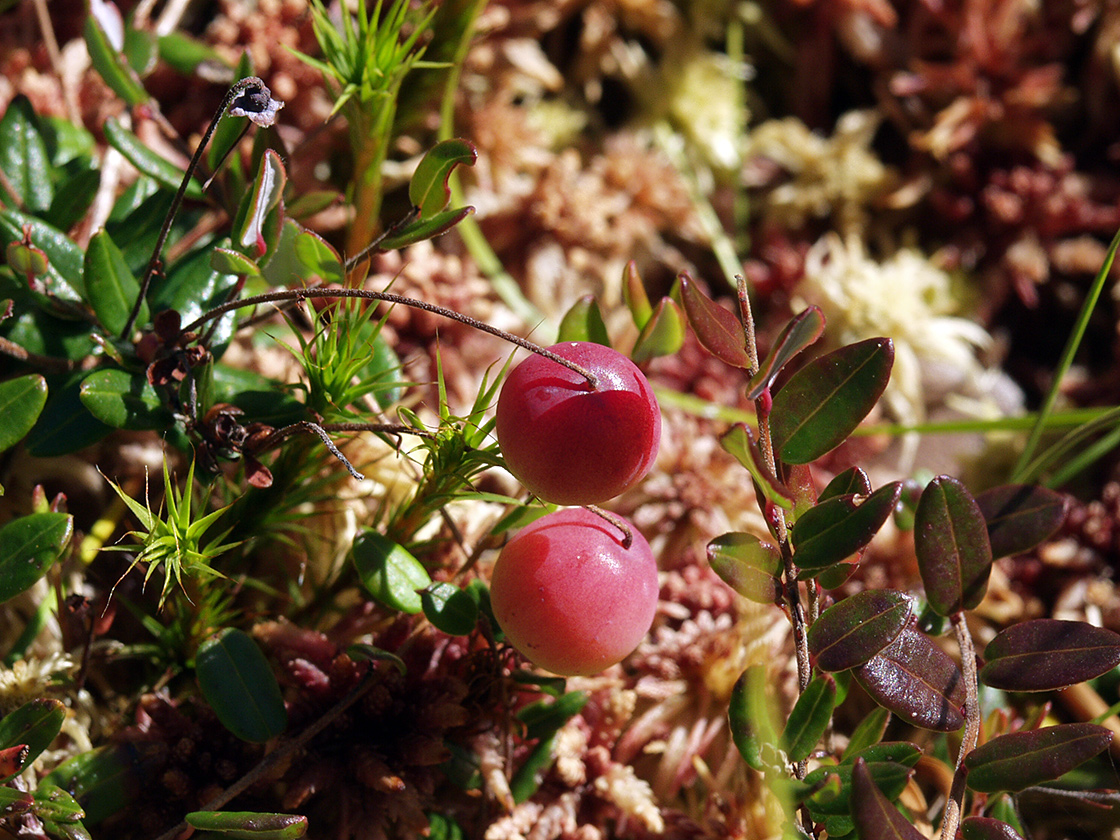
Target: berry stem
616,521
389,297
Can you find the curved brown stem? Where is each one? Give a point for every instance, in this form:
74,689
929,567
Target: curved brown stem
615,520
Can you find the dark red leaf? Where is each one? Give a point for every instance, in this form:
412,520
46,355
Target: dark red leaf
986,828
849,633
951,541
1020,516
804,329
875,817
718,329
1017,761
1048,654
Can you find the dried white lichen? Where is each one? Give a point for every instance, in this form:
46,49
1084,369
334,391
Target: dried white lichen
632,795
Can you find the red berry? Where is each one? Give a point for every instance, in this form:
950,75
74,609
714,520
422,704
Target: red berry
570,597
568,443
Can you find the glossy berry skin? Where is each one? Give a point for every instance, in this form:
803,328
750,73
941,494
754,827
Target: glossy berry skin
570,597
569,444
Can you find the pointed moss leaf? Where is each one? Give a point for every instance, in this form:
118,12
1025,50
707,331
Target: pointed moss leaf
1017,761
545,717
852,481
584,322
1020,516
951,541
21,401
824,401
24,158
739,441
34,725
751,719
107,58
718,329
423,229
389,572
428,190
450,608
249,825
110,286
64,258
228,261
29,546
663,334
803,330
236,680
1047,654
874,815
124,400
747,564
148,162
809,718
868,731
849,633
634,295
837,528
916,680
987,828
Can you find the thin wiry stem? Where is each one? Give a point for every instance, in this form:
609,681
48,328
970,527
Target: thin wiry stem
952,818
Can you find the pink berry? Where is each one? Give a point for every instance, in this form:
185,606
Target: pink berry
572,445
570,597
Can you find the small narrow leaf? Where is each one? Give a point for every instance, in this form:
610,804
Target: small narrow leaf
986,828
827,399
21,401
227,261
544,717
802,331
849,633
428,190
951,541
110,285
1020,516
584,322
874,815
1017,761
237,682
105,55
389,572
29,546
718,329
124,400
268,188
450,608
839,527
33,726
663,334
423,229
739,441
809,718
751,719
747,564
634,295
24,159
147,161
916,680
1047,654
868,731
249,825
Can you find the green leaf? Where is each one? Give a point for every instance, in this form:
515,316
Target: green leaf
124,400
747,564
836,528
1017,761
635,297
147,161
34,724
256,209
239,685
951,541
226,261
803,330
423,229
751,719
141,49
739,442
110,63
185,54
849,633
21,402
28,547
15,802
64,268
73,197
809,718
450,608
24,159
827,399
718,329
851,481
106,780
428,190
1047,654
249,825
663,334
1020,517
527,780
111,288
64,425
60,812
584,322
389,572
543,718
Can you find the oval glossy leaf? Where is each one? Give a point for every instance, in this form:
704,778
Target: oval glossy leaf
60,812
110,62
739,442
15,802
802,331
249,825
428,189
986,828
268,187
34,725
389,572
124,400
24,158
110,286
852,481
584,322
902,752
1017,761
423,229
718,329
147,161
21,402
663,334
868,732
65,425
951,541
852,631
237,682
747,564
874,815
917,681
1047,654
28,547
1020,516
450,608
635,297
227,261
809,718
824,401
837,528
